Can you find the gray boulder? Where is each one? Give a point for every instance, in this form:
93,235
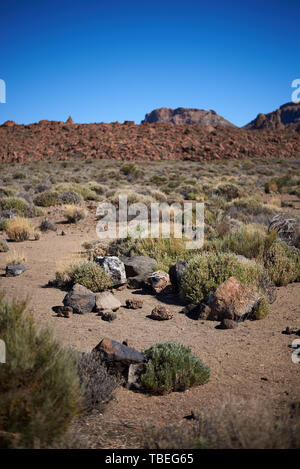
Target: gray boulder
138,268
15,270
81,299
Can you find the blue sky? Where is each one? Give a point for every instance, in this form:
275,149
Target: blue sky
104,61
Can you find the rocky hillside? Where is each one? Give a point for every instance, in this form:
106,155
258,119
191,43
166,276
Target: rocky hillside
59,140
286,117
182,116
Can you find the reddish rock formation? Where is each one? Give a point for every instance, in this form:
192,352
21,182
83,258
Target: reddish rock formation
181,116
287,116
59,140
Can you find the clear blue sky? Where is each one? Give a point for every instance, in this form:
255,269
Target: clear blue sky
104,61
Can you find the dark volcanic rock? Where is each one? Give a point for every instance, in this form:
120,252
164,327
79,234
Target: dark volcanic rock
176,272
81,299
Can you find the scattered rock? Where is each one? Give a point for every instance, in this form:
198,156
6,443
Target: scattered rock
158,281
228,324
3,245
138,269
231,300
81,299
108,315
118,357
291,331
176,272
106,300
137,265
286,228
114,351
15,270
65,311
161,313
114,267
134,375
137,282
134,304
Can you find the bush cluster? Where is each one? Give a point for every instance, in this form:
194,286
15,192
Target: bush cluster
205,272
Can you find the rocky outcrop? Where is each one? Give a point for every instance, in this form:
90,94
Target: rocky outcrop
181,116
287,116
159,141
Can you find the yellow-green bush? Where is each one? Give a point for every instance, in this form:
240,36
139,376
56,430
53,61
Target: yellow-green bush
18,229
39,384
205,272
172,367
47,199
89,274
283,263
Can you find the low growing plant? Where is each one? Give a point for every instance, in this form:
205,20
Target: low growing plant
172,367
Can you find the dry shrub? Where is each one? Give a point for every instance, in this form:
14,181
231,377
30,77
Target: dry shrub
74,213
96,383
16,256
233,424
18,229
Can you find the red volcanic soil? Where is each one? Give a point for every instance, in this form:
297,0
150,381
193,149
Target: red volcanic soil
158,141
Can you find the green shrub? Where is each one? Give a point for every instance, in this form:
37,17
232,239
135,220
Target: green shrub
228,191
85,192
248,242
204,273
19,175
172,367
283,263
261,310
166,251
89,274
47,199
39,385
18,207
